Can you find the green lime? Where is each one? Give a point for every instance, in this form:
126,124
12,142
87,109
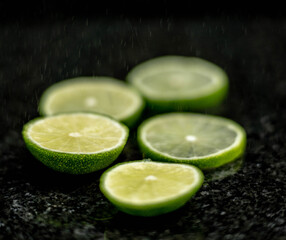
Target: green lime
146,188
104,95
205,141
179,83
75,143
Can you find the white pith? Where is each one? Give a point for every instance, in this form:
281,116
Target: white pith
191,138
90,101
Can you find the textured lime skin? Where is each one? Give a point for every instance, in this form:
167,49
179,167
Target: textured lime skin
71,163
213,161
150,210
130,120
193,104
133,120
177,103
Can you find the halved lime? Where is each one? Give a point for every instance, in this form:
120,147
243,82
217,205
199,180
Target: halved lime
203,140
146,188
104,95
75,143
172,83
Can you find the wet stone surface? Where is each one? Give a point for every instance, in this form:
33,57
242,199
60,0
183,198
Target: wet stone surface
245,201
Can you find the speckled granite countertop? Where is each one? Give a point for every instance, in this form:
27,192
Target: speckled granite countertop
249,202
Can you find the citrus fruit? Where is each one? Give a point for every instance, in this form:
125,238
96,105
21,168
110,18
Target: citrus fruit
147,188
203,140
104,95
179,83
75,143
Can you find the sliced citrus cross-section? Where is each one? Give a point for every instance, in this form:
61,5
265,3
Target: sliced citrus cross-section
147,188
203,140
177,83
75,143
104,95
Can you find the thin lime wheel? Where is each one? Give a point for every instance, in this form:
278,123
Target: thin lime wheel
104,95
75,143
147,188
205,141
179,83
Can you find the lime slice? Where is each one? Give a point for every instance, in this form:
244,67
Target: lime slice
146,188
202,140
103,95
75,143
172,83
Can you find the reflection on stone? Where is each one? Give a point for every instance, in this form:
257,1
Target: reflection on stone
224,171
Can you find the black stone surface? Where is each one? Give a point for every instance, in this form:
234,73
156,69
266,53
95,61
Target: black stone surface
38,203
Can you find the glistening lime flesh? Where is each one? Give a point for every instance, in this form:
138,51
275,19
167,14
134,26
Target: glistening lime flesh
146,188
176,83
104,95
203,140
75,143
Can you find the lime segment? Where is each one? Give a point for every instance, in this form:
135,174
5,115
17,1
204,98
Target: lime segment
171,83
147,188
202,140
75,143
104,95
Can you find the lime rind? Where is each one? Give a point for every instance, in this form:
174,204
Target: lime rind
73,162
198,104
211,161
208,96
153,208
129,116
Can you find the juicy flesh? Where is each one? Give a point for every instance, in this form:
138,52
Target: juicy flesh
110,99
141,183
78,133
190,137
174,82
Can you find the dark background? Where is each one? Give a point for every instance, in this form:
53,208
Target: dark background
42,44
